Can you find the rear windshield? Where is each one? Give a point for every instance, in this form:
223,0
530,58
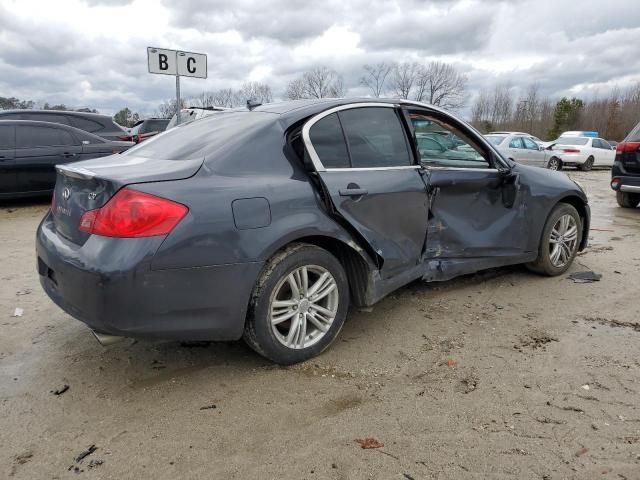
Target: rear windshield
572,141
154,125
495,139
200,139
634,136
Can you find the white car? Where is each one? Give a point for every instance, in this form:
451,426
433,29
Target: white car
583,152
528,135
522,148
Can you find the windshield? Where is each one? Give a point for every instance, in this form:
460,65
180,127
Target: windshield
572,141
495,139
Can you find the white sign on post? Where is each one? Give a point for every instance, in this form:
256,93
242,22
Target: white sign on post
162,61
192,64
174,62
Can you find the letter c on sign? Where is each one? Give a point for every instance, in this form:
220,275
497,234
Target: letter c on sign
191,69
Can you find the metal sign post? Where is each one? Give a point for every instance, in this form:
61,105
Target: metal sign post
173,62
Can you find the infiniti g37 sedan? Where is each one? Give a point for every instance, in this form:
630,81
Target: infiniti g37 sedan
267,224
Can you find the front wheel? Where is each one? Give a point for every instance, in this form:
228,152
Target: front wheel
298,306
554,164
560,241
628,200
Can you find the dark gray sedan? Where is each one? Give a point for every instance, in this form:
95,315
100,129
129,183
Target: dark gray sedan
30,151
267,224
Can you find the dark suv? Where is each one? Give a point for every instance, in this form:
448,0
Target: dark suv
101,125
625,173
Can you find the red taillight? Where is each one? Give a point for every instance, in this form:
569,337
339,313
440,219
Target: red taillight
615,183
627,147
570,150
125,138
133,214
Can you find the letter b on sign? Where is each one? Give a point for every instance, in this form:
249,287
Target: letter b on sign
162,61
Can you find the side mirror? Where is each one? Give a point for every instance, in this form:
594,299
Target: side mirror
541,148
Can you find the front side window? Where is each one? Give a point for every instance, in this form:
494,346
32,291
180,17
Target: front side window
516,142
530,144
375,137
441,144
328,142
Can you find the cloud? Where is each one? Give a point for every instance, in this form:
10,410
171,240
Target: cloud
93,52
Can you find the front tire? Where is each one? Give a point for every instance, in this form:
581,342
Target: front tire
560,241
628,200
586,166
298,306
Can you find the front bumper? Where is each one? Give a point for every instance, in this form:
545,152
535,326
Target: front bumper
108,284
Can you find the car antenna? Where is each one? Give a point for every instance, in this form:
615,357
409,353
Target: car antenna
252,104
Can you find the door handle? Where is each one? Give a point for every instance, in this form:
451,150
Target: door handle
67,154
353,192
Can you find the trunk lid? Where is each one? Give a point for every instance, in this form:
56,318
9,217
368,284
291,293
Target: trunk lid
88,185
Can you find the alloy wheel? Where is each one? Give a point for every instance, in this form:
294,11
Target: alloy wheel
563,240
554,164
304,306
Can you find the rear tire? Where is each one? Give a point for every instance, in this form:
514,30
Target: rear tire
554,164
560,241
586,166
628,200
288,321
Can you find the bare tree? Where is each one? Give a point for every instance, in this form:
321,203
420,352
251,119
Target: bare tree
375,77
442,85
319,82
254,91
403,78
295,89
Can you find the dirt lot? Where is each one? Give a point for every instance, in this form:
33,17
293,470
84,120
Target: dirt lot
499,375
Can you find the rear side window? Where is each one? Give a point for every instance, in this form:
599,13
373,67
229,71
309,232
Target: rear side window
375,137
30,136
7,136
85,124
328,142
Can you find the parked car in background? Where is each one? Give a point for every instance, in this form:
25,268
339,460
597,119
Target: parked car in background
100,125
521,148
528,135
625,173
29,152
190,114
147,128
582,152
268,223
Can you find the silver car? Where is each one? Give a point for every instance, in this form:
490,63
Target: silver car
521,148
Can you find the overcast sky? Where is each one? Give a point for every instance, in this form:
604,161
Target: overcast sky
93,52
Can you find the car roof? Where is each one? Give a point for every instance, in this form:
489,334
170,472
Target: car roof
61,112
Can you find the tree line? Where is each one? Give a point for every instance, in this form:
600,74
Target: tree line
501,107
612,116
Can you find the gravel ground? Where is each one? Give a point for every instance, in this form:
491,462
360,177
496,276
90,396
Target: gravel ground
503,374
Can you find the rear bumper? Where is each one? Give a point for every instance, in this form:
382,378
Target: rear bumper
125,297
626,183
571,159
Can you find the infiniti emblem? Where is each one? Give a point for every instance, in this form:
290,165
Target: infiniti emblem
66,193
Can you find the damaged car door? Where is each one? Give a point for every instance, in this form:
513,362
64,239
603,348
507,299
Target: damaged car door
477,213
364,159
